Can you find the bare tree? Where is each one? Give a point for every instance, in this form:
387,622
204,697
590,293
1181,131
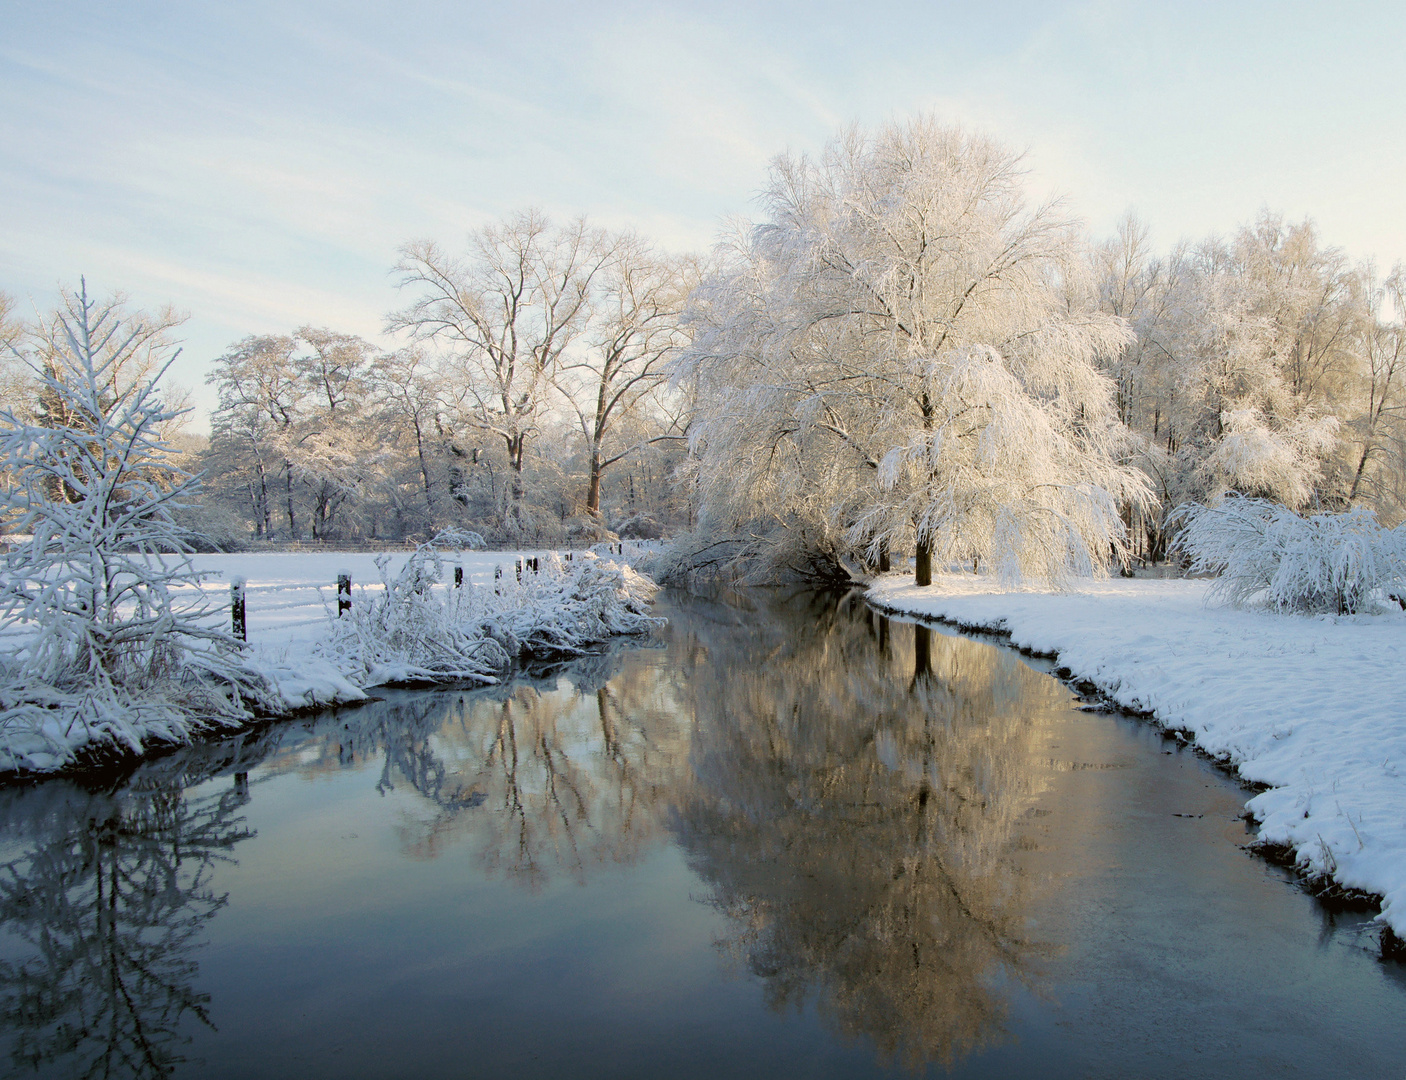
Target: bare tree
504,315
407,394
637,328
261,402
1383,346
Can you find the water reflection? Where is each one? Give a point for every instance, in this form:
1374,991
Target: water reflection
545,776
104,915
855,819
847,789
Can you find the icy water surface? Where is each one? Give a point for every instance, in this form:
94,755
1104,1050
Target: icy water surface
786,838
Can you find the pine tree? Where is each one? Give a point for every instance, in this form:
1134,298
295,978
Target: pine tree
115,642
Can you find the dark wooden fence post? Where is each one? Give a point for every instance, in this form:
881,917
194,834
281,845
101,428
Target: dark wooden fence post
458,577
236,609
343,593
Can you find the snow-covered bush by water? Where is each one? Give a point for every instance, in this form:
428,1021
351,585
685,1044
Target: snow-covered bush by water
1266,553
414,630
109,637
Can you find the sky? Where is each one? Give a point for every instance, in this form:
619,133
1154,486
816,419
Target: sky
258,165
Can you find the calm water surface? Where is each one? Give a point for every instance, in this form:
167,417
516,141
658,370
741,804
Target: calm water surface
784,838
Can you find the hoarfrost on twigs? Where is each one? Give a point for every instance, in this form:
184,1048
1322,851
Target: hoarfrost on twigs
1264,552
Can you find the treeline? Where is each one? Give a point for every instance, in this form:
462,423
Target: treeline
529,401
900,356
1266,363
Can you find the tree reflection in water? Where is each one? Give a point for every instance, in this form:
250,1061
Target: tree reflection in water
855,818
847,788
105,910
543,776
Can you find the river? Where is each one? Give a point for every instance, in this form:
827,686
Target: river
784,837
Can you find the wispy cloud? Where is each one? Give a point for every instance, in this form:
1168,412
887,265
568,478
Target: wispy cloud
260,163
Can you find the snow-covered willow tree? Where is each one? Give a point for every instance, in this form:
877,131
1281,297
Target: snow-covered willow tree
107,636
903,355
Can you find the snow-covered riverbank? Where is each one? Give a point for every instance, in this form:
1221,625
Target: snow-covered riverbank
408,622
1312,706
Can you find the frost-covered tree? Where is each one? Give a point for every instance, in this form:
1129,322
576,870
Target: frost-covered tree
902,354
503,316
260,406
1263,552
330,451
292,432
1380,393
1247,368
16,383
111,638
406,393
635,329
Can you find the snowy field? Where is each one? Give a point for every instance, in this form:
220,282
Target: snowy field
1312,706
291,609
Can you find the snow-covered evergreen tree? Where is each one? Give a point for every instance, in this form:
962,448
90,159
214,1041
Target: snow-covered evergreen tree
107,636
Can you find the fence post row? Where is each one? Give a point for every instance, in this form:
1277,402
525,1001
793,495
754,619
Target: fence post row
236,609
343,593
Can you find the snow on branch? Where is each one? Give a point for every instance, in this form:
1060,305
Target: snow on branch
1265,553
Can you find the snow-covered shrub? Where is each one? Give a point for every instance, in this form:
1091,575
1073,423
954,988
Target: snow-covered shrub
1264,552
409,631
416,628
107,635
569,606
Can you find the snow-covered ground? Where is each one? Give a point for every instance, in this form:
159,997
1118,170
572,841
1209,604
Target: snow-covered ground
302,653
1313,706
291,599
291,611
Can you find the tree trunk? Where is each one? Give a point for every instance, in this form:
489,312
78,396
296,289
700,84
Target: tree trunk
1357,476
265,512
923,561
424,473
597,435
593,485
288,483
516,490
884,566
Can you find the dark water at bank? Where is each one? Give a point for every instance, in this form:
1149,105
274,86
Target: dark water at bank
786,838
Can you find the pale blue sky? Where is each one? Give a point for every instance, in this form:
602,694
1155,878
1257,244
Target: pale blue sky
258,164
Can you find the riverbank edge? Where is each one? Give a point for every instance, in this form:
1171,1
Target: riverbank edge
1326,889
105,764
310,682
